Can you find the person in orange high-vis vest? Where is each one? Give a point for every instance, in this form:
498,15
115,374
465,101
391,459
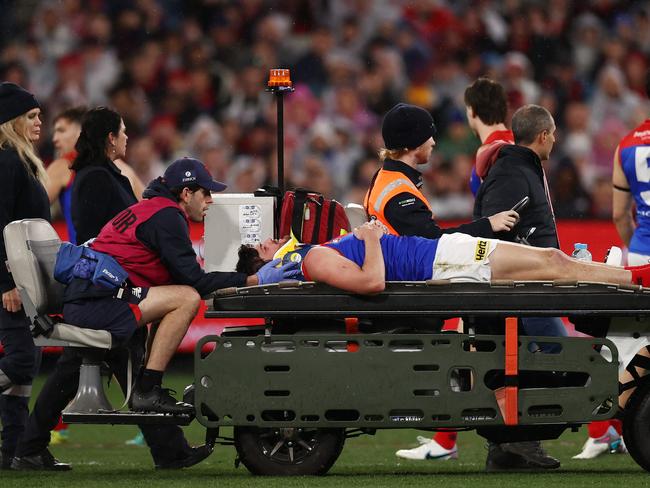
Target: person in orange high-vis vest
394,196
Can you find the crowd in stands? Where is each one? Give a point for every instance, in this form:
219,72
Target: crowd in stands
189,78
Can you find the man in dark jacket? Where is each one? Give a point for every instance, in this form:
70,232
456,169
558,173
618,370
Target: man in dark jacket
518,173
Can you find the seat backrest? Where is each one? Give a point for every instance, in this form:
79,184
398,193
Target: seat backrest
31,246
356,214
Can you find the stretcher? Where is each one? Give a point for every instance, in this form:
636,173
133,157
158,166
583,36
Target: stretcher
329,365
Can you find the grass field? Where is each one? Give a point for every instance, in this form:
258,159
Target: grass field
100,459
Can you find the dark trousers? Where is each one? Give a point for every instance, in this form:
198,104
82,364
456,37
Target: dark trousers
17,369
166,442
545,326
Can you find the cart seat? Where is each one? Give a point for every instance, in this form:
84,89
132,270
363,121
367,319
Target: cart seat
31,246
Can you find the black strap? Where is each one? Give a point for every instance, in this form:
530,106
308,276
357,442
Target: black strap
299,199
330,219
319,212
621,188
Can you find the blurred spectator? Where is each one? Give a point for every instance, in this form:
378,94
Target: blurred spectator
613,101
101,69
246,175
601,199
570,200
54,36
143,158
586,39
249,99
447,183
577,142
361,175
310,68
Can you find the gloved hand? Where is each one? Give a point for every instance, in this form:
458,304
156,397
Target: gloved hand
270,274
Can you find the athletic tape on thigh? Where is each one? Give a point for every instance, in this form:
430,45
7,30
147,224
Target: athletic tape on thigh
638,361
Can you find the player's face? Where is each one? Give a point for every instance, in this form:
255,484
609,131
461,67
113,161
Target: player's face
269,247
65,136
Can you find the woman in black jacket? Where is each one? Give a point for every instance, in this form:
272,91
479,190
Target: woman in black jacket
22,195
99,191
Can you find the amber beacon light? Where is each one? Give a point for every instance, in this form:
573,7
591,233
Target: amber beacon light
280,78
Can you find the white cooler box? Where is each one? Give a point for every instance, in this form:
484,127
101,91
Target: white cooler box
234,219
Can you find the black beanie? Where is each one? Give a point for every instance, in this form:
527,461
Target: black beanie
14,101
407,127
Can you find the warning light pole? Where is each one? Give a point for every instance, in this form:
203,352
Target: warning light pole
280,83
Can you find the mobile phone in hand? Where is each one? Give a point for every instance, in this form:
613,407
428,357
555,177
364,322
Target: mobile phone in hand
521,204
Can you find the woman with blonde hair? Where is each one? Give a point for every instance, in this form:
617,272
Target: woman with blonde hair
22,195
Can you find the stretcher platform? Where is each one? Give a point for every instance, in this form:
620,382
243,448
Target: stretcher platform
251,367
434,299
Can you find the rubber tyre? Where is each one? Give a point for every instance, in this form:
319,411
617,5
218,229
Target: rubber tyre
636,425
255,448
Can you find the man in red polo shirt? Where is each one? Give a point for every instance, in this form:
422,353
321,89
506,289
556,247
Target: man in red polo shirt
486,107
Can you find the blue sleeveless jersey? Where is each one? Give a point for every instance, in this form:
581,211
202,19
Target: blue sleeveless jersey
406,258
634,156
65,200
297,255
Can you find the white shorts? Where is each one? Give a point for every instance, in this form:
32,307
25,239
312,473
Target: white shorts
634,259
460,257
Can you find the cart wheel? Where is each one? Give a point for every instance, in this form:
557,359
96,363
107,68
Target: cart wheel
636,425
288,451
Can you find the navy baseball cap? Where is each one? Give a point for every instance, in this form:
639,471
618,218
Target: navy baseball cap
189,172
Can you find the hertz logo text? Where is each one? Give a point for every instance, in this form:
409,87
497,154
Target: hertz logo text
481,251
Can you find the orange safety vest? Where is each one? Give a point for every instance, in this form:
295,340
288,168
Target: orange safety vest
385,185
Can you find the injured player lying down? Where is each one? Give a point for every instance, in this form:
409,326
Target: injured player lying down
363,261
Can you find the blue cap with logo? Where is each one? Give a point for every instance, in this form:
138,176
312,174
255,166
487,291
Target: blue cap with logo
190,172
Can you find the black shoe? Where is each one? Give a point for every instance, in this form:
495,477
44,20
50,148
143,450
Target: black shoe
5,461
158,400
43,461
519,456
194,456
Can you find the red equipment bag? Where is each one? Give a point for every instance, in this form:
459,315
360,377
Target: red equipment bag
313,218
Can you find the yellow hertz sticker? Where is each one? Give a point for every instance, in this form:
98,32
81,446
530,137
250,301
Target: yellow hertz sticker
482,249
